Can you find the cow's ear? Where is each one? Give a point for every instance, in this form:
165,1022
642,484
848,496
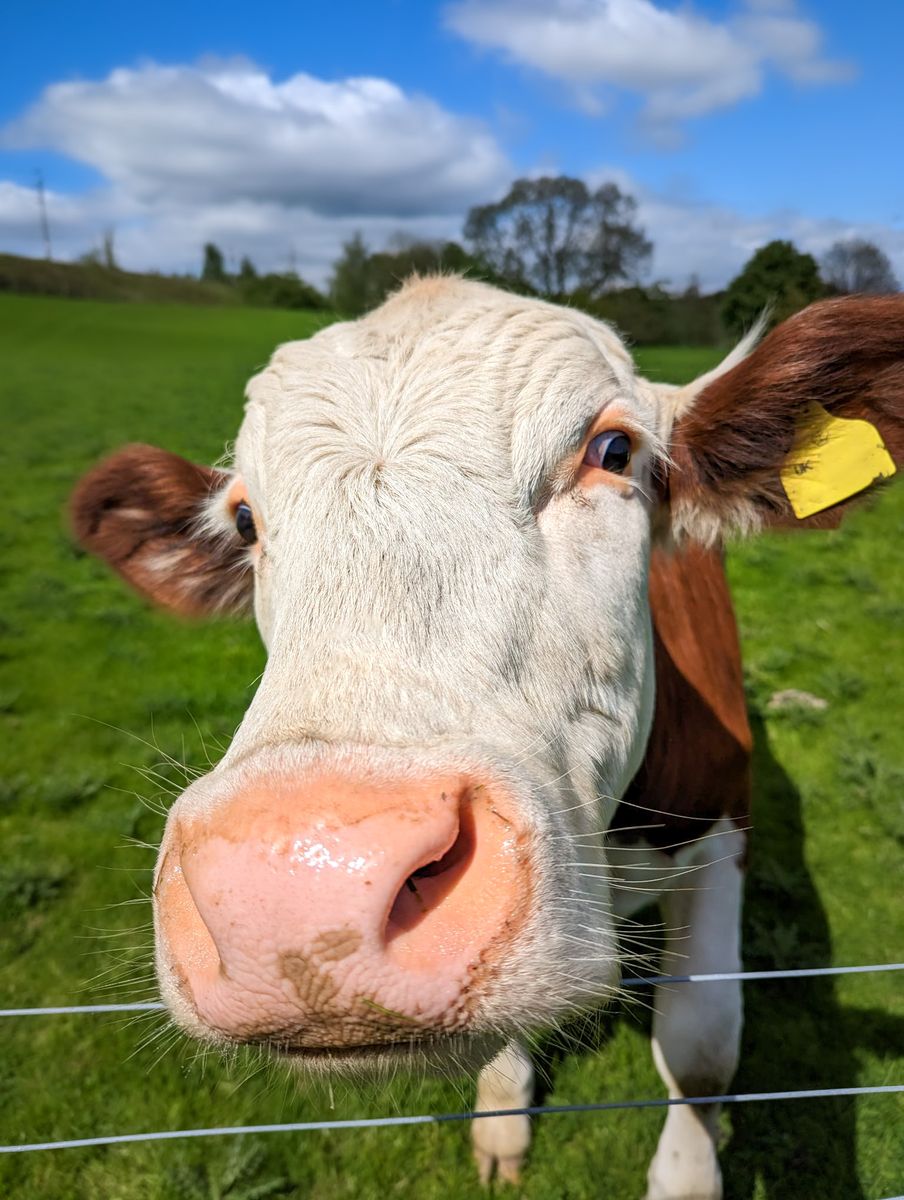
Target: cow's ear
147,513
800,427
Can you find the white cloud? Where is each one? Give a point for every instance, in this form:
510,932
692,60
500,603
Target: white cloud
220,151
169,236
681,63
225,132
77,221
714,242
287,171
690,236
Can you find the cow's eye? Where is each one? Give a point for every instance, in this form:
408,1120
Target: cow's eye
244,523
611,451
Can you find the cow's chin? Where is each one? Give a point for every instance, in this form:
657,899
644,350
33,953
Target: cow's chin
456,1054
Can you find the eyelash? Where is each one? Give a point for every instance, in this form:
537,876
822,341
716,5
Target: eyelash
244,523
610,450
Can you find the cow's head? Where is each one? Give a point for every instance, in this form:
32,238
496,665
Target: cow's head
442,515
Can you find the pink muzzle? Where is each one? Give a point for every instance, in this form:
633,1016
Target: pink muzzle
333,912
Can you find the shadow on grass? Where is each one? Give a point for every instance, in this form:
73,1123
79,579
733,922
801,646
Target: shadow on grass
796,1034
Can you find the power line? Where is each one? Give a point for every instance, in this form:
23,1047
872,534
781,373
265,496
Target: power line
42,209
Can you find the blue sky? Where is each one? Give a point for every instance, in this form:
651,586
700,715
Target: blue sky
732,121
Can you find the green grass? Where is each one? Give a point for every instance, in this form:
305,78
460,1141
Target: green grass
90,676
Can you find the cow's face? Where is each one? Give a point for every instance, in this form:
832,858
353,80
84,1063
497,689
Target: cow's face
447,515
444,513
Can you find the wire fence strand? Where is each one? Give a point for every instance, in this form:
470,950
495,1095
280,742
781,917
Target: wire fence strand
794,973
62,1010
444,1118
630,982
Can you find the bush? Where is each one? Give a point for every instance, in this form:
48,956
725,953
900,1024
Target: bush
778,278
654,317
362,280
279,291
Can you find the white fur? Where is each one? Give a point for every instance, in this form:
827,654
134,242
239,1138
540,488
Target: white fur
433,585
695,521
501,1143
697,1027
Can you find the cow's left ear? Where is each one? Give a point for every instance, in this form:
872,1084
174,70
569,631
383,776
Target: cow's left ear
146,513
795,431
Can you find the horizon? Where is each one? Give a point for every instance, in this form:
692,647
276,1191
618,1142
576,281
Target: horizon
731,123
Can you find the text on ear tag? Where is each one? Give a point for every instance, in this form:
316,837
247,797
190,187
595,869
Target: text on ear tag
832,458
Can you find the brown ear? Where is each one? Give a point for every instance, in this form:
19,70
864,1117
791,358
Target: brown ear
731,445
142,510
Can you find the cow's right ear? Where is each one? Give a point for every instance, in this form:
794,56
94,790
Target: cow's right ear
147,513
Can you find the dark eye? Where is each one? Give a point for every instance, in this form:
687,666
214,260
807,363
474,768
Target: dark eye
611,451
244,523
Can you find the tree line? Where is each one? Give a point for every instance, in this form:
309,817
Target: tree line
273,289
556,238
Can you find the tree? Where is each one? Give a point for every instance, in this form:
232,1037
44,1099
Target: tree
555,235
213,270
778,278
362,280
279,291
108,250
247,270
856,265
350,285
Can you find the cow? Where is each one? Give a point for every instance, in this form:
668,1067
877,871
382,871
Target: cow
502,708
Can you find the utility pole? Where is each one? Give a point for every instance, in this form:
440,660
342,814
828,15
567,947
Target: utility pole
42,208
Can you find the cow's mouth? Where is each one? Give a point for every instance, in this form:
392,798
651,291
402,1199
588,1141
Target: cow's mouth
348,1053
465,1051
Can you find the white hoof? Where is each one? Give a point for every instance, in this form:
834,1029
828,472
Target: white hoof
500,1147
679,1176
501,1143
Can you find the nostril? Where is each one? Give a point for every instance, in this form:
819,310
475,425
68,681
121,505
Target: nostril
459,853
425,889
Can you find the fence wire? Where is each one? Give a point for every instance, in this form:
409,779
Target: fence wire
445,1118
645,981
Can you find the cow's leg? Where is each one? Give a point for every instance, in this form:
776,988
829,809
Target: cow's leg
500,1143
697,1026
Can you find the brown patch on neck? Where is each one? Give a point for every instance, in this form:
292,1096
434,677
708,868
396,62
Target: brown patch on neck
697,764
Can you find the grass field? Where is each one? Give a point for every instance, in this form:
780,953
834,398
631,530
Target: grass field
97,689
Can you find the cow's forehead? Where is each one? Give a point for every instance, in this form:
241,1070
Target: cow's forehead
445,364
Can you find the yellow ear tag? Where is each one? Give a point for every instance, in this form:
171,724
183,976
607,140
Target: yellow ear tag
832,458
